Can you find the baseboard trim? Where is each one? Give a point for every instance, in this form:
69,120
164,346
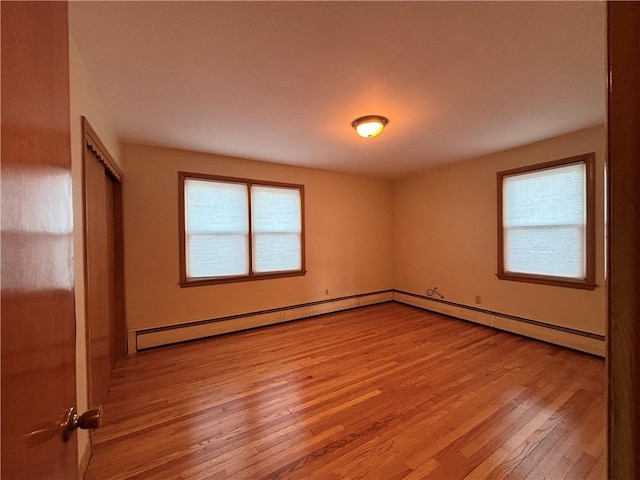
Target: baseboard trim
143,339
584,341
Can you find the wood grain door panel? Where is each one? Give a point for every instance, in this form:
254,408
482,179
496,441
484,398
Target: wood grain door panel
623,334
38,321
99,276
104,273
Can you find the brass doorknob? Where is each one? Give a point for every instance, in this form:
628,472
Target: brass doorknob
89,420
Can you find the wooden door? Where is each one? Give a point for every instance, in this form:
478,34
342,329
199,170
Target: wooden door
623,334
38,319
103,252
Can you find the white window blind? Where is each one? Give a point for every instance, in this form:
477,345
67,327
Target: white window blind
544,222
277,228
216,228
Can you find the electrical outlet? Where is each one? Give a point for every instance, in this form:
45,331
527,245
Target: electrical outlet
478,299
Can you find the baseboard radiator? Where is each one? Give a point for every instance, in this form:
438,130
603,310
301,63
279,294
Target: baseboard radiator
567,337
143,339
155,337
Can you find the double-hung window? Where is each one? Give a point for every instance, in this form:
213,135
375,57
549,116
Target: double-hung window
237,229
546,223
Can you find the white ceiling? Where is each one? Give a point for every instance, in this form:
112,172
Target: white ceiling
282,81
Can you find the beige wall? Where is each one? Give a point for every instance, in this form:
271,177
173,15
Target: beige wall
445,228
363,235
348,239
84,101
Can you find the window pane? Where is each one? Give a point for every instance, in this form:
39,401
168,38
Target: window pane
276,252
216,228
553,196
275,209
544,221
277,226
216,207
217,255
556,251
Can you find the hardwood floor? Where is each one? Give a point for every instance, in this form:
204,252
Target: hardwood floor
381,392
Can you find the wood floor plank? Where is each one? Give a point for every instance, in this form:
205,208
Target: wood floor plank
386,392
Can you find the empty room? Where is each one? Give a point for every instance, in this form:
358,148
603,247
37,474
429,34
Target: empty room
319,240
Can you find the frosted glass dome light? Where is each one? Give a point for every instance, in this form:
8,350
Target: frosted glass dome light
370,125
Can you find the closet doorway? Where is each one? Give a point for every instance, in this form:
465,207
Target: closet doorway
104,279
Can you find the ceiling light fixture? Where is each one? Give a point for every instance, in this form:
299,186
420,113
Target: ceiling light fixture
370,125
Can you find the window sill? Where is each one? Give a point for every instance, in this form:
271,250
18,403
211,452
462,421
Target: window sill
545,280
246,278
